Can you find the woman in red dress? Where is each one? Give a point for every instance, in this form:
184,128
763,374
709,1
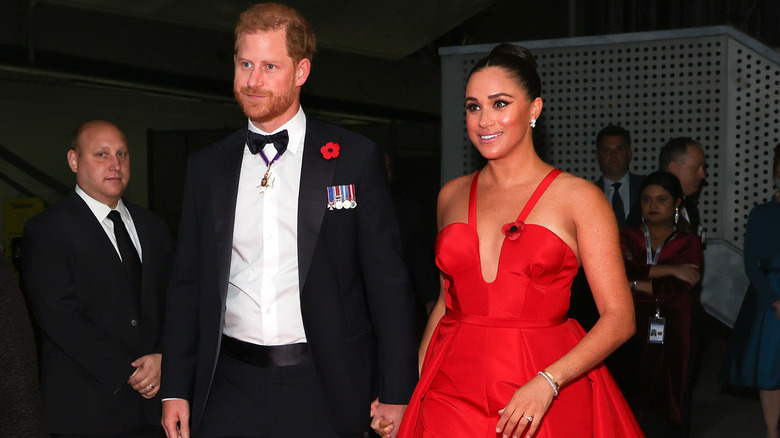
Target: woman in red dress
500,357
663,262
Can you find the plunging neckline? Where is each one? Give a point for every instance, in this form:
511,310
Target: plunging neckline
529,205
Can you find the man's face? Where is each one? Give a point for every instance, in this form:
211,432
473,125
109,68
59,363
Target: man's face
266,81
614,155
101,163
690,169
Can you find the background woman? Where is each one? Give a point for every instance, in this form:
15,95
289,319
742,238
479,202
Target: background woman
501,359
663,262
753,359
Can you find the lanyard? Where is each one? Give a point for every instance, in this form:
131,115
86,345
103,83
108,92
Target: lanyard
652,258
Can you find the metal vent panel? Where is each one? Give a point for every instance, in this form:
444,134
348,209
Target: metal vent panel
712,87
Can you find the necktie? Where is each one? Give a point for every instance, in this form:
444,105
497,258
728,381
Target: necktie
130,259
617,205
257,142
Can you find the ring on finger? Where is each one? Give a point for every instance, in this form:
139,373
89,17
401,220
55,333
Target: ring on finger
530,418
151,385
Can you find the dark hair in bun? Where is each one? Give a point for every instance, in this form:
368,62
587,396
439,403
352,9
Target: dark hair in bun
518,62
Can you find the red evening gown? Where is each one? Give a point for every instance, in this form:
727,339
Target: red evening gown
494,337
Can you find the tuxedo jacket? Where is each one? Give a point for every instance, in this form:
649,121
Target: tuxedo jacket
356,299
92,323
634,182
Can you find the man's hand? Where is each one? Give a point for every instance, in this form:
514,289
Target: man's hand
386,418
146,378
176,418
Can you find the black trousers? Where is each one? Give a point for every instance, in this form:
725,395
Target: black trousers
265,402
151,432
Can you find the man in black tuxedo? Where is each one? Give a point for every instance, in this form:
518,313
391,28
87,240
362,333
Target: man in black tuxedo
95,269
613,150
290,309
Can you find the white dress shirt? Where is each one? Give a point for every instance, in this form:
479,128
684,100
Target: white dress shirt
263,296
101,211
625,191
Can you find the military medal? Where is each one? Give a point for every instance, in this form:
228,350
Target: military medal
352,198
331,198
266,181
339,198
347,202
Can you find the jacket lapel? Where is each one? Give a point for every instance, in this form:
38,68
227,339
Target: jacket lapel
316,176
227,170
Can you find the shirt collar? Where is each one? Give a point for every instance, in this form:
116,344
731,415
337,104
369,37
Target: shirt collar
623,181
296,130
99,209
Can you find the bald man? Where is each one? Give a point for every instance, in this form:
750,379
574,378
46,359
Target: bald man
95,269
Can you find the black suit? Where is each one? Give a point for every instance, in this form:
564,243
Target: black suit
354,287
90,318
634,182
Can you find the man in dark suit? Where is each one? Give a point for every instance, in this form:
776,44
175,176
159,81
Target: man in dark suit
613,151
684,157
621,187
95,269
290,309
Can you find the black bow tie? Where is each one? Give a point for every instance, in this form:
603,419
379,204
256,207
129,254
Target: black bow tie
257,142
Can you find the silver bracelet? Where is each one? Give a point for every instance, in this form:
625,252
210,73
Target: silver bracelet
550,381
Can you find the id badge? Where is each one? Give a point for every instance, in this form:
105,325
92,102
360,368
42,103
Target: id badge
655,331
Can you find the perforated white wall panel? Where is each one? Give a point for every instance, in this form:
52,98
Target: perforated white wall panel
713,84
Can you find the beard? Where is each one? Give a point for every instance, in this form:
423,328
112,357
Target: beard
270,108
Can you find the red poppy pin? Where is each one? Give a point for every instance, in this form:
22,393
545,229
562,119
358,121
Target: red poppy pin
330,150
512,230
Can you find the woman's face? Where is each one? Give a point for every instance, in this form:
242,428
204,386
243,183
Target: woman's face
658,205
498,112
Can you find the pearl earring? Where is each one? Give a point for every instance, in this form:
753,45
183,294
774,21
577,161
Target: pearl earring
533,123
676,215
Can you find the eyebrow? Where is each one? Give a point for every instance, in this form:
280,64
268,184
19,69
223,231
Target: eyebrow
493,96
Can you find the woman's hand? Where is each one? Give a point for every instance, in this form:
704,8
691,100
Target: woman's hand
530,401
687,272
384,428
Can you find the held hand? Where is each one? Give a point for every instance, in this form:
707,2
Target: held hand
776,305
146,378
687,272
176,418
530,401
386,418
384,427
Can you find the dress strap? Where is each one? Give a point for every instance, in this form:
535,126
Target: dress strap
538,193
473,201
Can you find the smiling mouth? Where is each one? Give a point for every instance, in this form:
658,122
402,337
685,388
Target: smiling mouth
490,137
